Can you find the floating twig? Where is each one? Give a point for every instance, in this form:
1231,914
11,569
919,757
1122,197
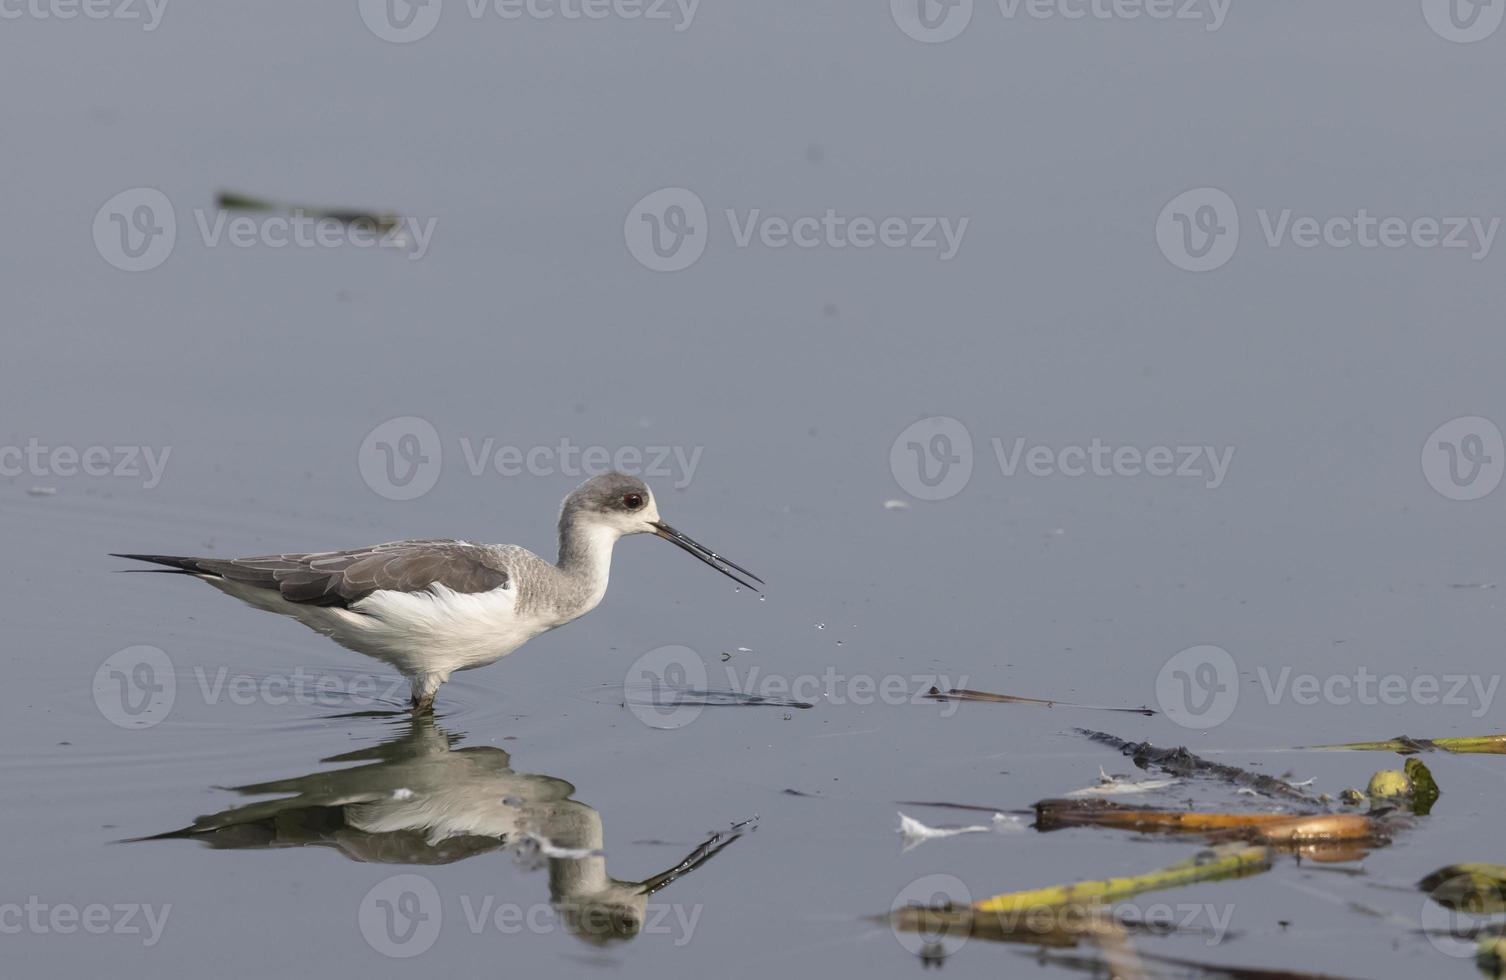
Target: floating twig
963,694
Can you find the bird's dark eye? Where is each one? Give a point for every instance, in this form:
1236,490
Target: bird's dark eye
632,501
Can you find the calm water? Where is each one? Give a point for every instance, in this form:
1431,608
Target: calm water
255,378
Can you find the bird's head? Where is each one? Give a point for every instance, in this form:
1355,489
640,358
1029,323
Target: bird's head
624,505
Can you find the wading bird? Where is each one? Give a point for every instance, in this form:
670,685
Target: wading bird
433,607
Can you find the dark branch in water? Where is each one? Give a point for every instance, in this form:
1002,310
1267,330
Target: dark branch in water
231,201
1180,762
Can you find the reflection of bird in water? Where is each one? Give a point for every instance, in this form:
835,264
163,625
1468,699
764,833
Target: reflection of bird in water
432,607
419,800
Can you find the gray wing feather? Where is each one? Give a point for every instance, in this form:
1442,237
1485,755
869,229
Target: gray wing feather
340,578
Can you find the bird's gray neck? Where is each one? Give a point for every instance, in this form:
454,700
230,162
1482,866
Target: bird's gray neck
585,562
576,827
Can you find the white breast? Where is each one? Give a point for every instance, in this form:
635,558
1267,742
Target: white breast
432,632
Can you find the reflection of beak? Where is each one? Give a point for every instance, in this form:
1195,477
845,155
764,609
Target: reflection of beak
709,848
706,555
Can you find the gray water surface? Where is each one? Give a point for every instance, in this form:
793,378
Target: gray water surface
790,375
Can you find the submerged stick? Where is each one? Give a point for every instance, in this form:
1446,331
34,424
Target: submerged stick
231,201
963,694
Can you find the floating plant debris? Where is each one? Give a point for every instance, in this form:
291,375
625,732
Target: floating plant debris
1027,916
914,833
1210,865
1411,786
1265,828
1180,762
1120,786
1469,744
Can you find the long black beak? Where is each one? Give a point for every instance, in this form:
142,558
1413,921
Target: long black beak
708,556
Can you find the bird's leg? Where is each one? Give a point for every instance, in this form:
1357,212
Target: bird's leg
425,686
